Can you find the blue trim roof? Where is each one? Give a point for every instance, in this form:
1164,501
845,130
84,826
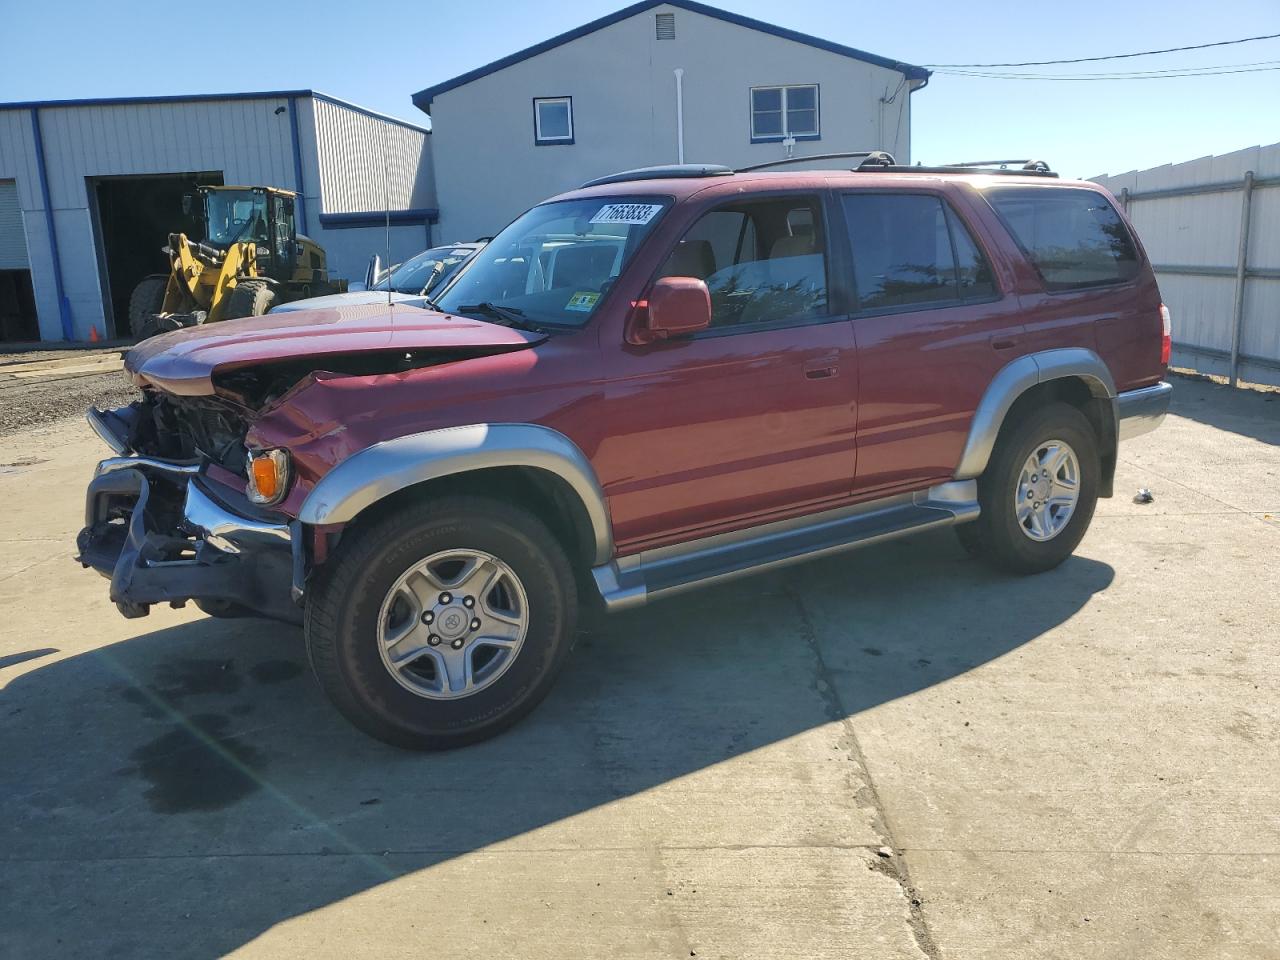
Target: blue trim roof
422,99
205,97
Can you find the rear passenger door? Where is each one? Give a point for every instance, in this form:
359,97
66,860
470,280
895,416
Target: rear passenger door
932,327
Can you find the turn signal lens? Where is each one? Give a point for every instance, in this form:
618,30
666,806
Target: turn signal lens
268,476
1166,335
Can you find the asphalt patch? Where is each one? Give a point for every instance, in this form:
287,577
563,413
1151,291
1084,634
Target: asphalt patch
275,671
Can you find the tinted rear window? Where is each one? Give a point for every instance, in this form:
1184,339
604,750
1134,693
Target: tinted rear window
1075,238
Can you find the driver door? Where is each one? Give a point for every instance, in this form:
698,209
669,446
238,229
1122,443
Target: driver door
753,417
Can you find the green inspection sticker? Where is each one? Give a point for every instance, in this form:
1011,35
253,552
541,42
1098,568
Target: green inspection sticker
582,301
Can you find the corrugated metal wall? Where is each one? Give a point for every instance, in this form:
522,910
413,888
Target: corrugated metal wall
1189,217
13,237
355,148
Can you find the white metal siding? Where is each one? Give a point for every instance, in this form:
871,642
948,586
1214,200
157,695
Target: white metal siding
13,238
355,148
622,81
1203,230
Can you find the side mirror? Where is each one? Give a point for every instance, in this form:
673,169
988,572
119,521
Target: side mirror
676,306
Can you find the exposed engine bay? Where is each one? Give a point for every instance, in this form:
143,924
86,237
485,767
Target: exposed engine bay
192,429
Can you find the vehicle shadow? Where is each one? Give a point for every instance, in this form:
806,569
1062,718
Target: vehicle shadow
1250,413
179,793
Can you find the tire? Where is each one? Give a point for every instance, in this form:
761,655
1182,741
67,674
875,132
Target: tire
249,298
347,610
145,302
998,536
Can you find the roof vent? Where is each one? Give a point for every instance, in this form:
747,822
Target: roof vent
664,26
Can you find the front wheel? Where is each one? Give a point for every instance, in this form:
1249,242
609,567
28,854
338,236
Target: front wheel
443,623
1038,492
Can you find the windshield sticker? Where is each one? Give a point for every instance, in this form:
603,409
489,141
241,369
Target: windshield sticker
633,213
582,301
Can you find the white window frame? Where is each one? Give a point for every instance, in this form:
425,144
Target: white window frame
538,137
784,89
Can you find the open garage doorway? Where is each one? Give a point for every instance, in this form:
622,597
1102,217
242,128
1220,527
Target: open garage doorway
133,217
17,300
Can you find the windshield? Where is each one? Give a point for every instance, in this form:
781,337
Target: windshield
555,262
235,215
426,271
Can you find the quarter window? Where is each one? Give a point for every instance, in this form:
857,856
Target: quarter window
1075,238
909,250
553,120
764,262
780,112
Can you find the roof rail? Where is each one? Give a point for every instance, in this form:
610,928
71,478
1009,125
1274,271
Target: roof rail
874,157
675,171
1028,168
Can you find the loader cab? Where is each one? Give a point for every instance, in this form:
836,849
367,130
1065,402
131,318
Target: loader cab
257,215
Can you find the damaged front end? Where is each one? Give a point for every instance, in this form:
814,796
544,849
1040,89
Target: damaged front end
162,531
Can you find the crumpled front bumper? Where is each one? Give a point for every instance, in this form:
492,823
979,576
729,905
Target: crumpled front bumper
162,533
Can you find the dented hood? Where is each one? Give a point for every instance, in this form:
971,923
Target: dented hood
185,361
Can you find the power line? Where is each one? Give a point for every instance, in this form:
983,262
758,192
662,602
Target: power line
1206,70
1114,56
1103,77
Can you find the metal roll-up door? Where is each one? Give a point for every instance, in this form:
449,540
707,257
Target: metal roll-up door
13,238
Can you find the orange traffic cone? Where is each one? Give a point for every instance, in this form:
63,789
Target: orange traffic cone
93,335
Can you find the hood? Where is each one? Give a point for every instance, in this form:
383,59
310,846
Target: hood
184,362
355,299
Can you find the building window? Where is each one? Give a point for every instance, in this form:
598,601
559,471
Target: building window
664,25
781,112
552,120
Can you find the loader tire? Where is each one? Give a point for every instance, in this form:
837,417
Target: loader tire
249,298
144,303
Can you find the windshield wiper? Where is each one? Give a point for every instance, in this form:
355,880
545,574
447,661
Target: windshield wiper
510,315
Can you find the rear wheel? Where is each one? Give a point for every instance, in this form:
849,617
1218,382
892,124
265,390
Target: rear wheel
249,298
145,302
1038,492
443,623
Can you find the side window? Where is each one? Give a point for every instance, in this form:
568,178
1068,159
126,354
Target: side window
974,271
910,249
552,120
1075,238
763,261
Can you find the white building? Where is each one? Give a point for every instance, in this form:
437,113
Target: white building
89,189
655,83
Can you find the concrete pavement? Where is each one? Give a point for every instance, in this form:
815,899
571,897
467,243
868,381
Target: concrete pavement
1080,764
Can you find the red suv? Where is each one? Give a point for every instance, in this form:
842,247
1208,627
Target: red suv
667,378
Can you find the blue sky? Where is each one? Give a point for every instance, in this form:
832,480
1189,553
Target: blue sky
378,54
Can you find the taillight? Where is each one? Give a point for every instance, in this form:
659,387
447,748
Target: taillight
1166,335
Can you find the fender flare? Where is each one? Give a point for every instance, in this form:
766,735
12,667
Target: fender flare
368,476
1015,379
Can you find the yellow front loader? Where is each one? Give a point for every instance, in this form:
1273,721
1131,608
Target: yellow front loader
250,258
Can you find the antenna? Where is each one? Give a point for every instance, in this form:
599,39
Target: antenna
386,205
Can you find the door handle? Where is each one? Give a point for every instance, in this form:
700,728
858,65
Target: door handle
821,369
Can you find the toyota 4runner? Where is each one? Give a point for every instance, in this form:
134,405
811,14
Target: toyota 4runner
667,378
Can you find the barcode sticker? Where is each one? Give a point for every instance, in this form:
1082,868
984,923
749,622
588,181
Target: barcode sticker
633,213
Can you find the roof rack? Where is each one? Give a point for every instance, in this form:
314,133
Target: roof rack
675,171
869,158
1027,168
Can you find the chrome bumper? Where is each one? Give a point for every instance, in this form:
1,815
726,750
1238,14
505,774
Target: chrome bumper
1141,411
160,534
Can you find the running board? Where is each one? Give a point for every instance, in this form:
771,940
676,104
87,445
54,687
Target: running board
634,580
